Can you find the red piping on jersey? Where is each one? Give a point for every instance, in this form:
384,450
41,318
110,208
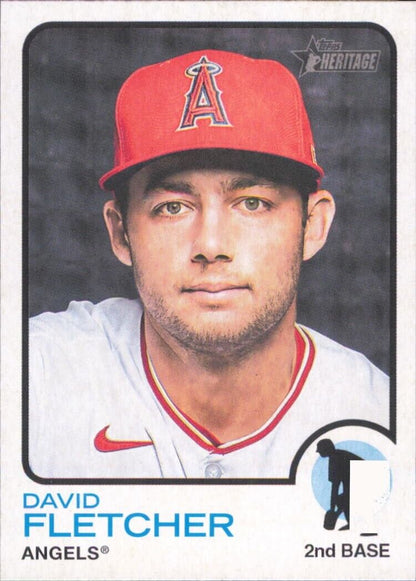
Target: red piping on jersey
215,445
104,444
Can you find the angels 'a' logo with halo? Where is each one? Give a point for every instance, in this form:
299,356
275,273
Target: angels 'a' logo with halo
203,100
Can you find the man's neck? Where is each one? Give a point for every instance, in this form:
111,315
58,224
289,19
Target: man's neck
231,401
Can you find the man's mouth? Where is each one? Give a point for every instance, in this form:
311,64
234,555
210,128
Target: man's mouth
216,289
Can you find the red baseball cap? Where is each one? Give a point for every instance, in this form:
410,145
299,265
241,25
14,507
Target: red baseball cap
210,99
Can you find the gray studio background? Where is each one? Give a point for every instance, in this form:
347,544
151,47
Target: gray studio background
74,73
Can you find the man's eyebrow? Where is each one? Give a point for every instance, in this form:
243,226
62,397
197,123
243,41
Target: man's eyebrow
242,182
160,183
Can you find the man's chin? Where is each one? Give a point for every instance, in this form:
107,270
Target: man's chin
219,325
220,338
226,333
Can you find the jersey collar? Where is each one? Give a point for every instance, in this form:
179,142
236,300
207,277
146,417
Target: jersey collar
305,354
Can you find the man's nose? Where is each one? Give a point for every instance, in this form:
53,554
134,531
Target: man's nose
213,237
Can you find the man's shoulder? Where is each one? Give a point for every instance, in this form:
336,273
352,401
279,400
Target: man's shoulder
333,357
115,316
346,383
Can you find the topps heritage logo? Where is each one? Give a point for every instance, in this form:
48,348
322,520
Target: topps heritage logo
328,56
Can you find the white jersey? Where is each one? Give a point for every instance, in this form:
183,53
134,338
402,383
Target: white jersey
97,409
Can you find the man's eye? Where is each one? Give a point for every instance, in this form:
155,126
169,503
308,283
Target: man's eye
170,208
253,204
173,207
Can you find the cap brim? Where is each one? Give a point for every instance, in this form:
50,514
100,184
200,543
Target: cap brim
256,161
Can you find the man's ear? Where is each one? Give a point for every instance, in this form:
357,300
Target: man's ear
321,211
118,236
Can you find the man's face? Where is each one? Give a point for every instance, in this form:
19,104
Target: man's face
216,254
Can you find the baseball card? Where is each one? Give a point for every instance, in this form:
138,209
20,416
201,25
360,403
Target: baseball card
208,291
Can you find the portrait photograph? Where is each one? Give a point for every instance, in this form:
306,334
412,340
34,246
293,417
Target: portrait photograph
134,342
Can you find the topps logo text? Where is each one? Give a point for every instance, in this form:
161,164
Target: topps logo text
328,56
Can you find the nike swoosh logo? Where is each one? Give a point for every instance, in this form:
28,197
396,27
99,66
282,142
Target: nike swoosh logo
104,444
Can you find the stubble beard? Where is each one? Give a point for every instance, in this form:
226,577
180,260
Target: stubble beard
219,348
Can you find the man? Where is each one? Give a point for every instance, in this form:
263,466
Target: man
339,476
216,204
